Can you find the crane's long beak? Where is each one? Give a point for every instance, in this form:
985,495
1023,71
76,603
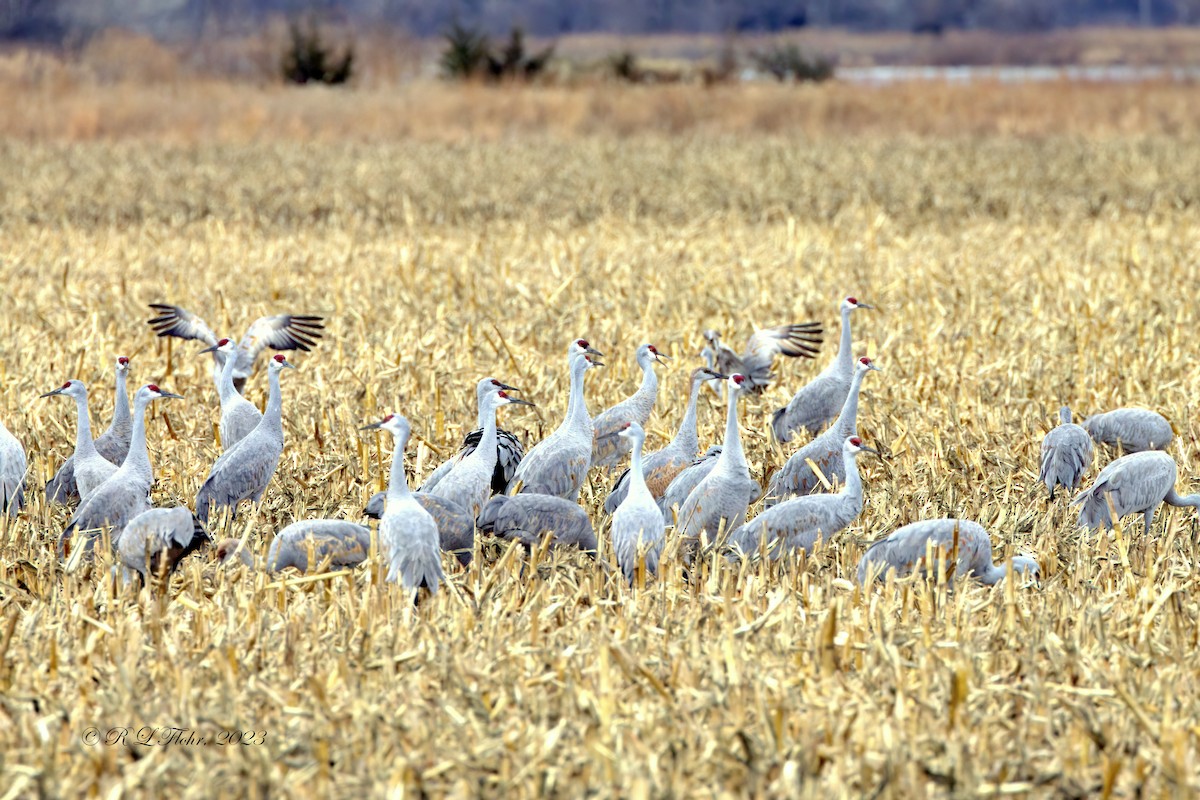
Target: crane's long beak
593,351
516,401
51,394
595,362
874,367
165,393
716,374
866,449
372,427
660,358
505,387
212,349
866,305
288,364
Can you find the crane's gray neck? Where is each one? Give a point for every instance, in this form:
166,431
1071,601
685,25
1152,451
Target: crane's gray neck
637,478
137,460
732,452
845,358
647,392
687,438
397,481
847,421
854,487
577,412
1064,415
481,394
1173,498
273,416
993,574
121,417
225,385
487,442
84,444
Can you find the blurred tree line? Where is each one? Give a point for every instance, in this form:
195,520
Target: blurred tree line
53,20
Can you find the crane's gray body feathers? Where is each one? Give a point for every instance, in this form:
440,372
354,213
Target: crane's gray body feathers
13,465
1066,454
164,536
456,527
529,517
1134,429
345,544
1136,483
904,551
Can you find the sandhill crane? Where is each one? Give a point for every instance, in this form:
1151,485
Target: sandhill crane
229,550
558,464
456,526
637,525
719,502
687,480
1136,483
13,465
801,340
1134,429
243,471
1066,454
112,445
155,541
608,448
661,467
408,534
127,493
821,399
797,476
280,332
509,450
469,484
344,544
528,518
89,469
920,545
797,523
238,415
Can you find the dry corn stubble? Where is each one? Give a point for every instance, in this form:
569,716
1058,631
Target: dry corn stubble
1010,276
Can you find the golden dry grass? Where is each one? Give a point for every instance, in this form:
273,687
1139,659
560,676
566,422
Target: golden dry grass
1011,275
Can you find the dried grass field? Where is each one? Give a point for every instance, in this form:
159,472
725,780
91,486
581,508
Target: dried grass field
1012,274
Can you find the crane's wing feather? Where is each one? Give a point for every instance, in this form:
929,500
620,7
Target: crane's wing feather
181,323
280,332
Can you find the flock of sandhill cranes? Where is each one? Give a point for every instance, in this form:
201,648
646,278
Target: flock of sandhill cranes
492,485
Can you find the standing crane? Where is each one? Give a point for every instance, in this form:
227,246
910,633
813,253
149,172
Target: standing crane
801,340
1066,454
243,471
154,543
127,492
607,448
89,469
963,544
408,535
820,399
456,525
796,524
720,501
112,445
280,332
509,451
1134,430
238,415
798,476
637,525
558,465
469,484
1136,483
13,465
688,479
662,466
341,543
529,517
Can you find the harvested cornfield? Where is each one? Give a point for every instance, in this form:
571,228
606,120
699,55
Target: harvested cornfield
1011,276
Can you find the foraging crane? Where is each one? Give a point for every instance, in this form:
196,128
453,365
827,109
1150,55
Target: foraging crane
821,399
801,340
243,471
1136,483
469,484
509,450
12,473
408,534
280,332
228,550
687,480
607,447
112,445
719,502
344,544
919,546
637,525
89,469
1066,454
456,526
127,493
527,518
155,541
797,476
797,523
238,415
664,465
558,464
1133,429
